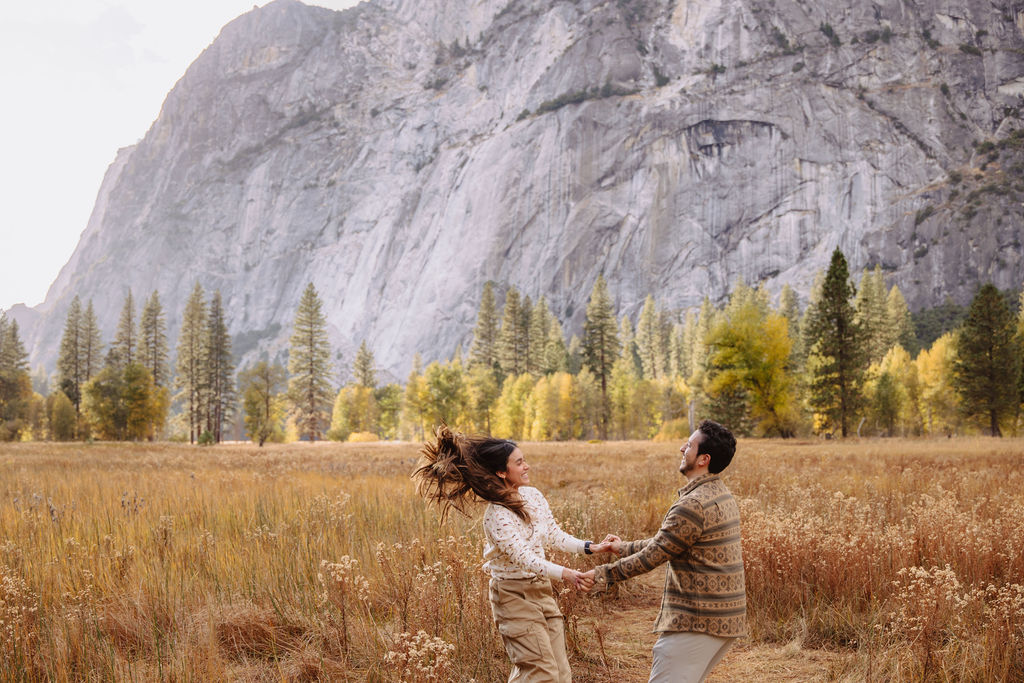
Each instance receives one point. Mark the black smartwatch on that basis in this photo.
(586, 548)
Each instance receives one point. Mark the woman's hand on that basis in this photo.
(610, 544)
(578, 580)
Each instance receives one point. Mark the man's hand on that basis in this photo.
(578, 580)
(610, 544)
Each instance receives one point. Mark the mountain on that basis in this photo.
(401, 153)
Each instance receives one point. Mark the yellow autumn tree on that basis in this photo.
(749, 355)
(510, 410)
(938, 402)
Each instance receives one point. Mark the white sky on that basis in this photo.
(80, 79)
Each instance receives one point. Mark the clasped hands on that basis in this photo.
(584, 581)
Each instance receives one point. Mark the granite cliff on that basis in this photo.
(400, 153)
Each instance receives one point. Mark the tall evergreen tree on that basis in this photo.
(90, 344)
(191, 376)
(125, 349)
(556, 354)
(15, 382)
(601, 342)
(650, 341)
(986, 355)
(153, 340)
(364, 368)
(699, 338)
(525, 315)
(537, 335)
(485, 336)
(627, 345)
(220, 369)
(511, 351)
(836, 346)
(901, 325)
(70, 374)
(309, 364)
(789, 308)
(872, 315)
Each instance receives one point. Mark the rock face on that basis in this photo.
(401, 153)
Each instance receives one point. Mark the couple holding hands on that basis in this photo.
(703, 609)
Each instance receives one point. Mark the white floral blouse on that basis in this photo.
(514, 549)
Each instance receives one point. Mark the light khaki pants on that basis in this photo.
(685, 657)
(532, 629)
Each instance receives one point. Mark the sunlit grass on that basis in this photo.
(308, 562)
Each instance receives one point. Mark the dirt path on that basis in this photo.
(615, 646)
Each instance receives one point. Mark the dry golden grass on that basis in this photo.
(877, 560)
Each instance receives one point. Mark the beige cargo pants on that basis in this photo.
(532, 630)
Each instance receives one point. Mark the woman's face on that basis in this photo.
(517, 472)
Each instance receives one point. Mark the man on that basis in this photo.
(703, 609)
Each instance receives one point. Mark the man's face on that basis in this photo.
(689, 451)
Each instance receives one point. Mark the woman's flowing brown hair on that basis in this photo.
(455, 470)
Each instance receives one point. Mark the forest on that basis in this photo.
(853, 362)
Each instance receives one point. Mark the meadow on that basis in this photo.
(900, 559)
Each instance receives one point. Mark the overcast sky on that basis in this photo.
(80, 79)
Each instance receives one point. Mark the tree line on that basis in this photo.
(846, 364)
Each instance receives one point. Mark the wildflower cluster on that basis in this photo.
(420, 658)
(928, 603)
(339, 580)
(327, 512)
(17, 609)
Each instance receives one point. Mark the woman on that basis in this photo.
(454, 471)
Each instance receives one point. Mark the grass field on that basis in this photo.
(875, 560)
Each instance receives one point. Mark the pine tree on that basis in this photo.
(191, 376)
(986, 355)
(525, 315)
(485, 336)
(627, 342)
(309, 364)
(677, 350)
(650, 341)
(698, 340)
(872, 315)
(537, 334)
(364, 368)
(511, 354)
(836, 346)
(15, 382)
(901, 325)
(220, 371)
(789, 308)
(153, 340)
(601, 342)
(125, 349)
(70, 374)
(90, 344)
(556, 354)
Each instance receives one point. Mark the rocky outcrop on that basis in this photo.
(401, 153)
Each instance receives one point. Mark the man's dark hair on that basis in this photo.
(719, 443)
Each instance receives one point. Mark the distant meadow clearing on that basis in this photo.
(318, 562)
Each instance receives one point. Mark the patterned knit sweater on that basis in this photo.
(700, 539)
